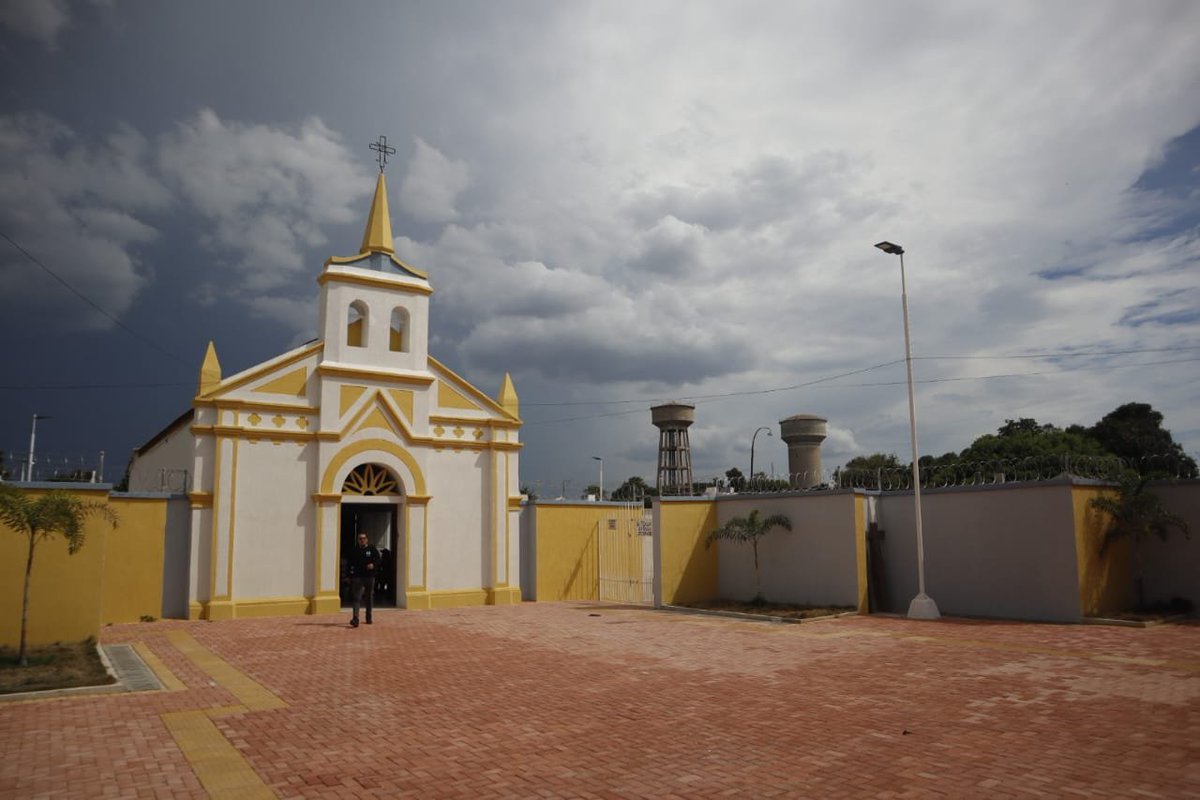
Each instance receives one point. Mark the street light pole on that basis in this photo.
(760, 428)
(601, 460)
(32, 438)
(922, 606)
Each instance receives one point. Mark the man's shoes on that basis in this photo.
(354, 622)
(368, 620)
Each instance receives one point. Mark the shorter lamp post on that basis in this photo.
(922, 606)
(32, 439)
(757, 431)
(601, 460)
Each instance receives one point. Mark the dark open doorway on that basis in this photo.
(378, 521)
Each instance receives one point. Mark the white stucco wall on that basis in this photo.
(167, 466)
(814, 564)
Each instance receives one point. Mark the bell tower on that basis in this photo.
(374, 307)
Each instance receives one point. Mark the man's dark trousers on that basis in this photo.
(359, 585)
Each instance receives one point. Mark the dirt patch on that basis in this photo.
(783, 610)
(56, 666)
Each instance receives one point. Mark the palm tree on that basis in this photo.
(1137, 513)
(750, 529)
(54, 512)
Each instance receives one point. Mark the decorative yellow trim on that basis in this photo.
(348, 396)
(416, 601)
(417, 499)
(325, 603)
(508, 398)
(365, 445)
(210, 371)
(327, 497)
(514, 501)
(271, 607)
(487, 422)
(197, 610)
(403, 398)
(375, 279)
(231, 432)
(293, 383)
(234, 404)
(256, 372)
(216, 526)
(201, 499)
(449, 397)
(504, 596)
(377, 236)
(233, 488)
(372, 373)
(457, 598)
(369, 480)
(465, 385)
(219, 609)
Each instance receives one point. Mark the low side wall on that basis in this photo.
(821, 562)
(998, 551)
(1172, 568)
(688, 569)
(117, 576)
(564, 543)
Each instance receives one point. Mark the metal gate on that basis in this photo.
(626, 555)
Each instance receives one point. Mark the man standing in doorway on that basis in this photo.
(364, 562)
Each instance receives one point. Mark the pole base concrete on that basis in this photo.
(923, 607)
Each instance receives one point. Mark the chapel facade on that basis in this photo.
(358, 430)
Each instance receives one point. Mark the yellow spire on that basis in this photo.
(210, 371)
(508, 397)
(377, 238)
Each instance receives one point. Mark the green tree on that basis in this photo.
(749, 529)
(593, 489)
(1025, 438)
(1137, 514)
(1134, 432)
(737, 481)
(634, 488)
(865, 471)
(55, 512)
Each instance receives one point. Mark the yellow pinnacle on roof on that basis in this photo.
(210, 371)
(508, 397)
(377, 238)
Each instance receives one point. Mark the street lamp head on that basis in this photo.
(597, 458)
(891, 249)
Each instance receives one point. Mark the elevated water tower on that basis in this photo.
(674, 451)
(803, 434)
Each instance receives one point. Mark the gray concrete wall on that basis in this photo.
(814, 564)
(1172, 568)
(996, 551)
(176, 558)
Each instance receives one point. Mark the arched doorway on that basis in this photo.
(371, 502)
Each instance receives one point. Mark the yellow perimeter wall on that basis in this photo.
(115, 577)
(1105, 584)
(567, 551)
(689, 569)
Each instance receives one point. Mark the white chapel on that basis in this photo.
(359, 430)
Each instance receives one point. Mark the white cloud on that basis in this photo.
(432, 185)
(78, 208)
(265, 191)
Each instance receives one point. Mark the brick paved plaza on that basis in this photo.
(579, 700)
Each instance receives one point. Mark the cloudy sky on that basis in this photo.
(620, 203)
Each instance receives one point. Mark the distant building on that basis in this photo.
(358, 430)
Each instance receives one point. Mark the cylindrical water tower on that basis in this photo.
(803, 434)
(674, 452)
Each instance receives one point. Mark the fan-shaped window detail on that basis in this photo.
(398, 339)
(370, 479)
(356, 325)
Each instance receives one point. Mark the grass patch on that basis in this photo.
(56, 666)
(768, 609)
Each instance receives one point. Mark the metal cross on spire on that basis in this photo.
(381, 147)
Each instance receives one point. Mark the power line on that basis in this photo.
(92, 303)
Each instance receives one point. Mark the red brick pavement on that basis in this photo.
(578, 700)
